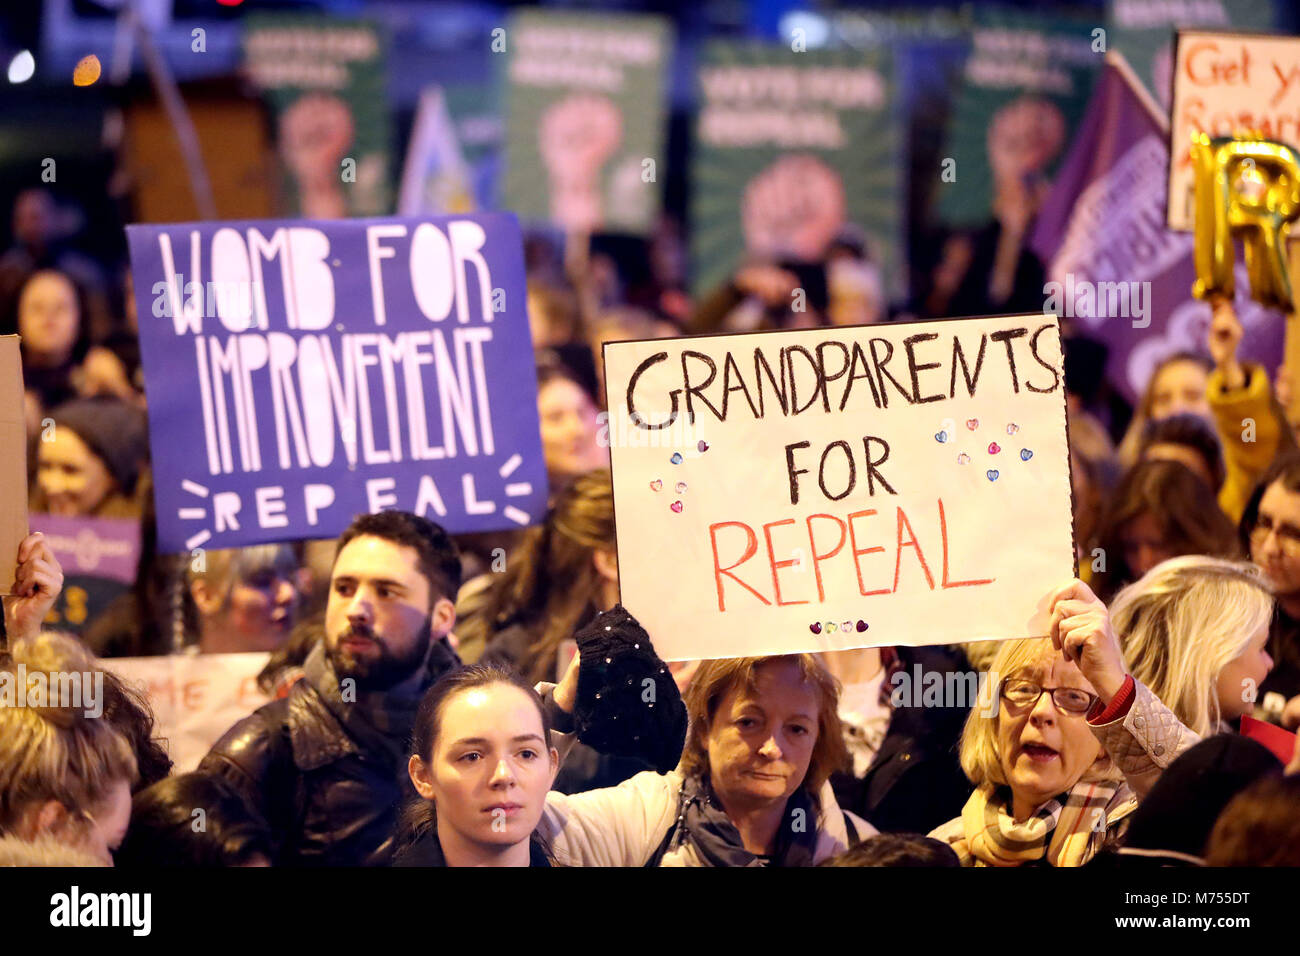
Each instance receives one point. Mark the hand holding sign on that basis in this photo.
(1081, 630)
(37, 583)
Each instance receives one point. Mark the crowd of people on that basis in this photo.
(485, 700)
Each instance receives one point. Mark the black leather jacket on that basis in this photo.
(328, 799)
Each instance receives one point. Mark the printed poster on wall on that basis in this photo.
(789, 148)
(824, 489)
(585, 119)
(300, 373)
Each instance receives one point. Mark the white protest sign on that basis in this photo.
(195, 698)
(1226, 83)
(825, 489)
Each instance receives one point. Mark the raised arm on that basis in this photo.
(1135, 728)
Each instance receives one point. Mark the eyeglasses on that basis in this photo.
(1025, 693)
(1288, 537)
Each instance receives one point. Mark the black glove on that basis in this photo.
(628, 704)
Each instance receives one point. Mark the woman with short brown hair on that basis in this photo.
(751, 788)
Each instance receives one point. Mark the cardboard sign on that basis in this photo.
(13, 468)
(195, 698)
(826, 489)
(1225, 83)
(586, 116)
(300, 373)
(99, 557)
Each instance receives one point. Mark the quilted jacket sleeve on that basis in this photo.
(614, 826)
(1144, 740)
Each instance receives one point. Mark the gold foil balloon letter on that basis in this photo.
(1247, 188)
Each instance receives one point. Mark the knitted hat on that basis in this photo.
(628, 704)
(1179, 812)
(115, 431)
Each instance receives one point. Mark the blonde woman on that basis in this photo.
(65, 773)
(1062, 746)
(1195, 631)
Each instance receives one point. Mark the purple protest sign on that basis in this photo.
(98, 547)
(99, 557)
(1113, 265)
(302, 372)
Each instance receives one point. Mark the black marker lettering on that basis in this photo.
(1033, 348)
(880, 371)
(910, 344)
(694, 392)
(1005, 337)
(873, 462)
(637, 418)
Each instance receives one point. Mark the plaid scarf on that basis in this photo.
(1063, 831)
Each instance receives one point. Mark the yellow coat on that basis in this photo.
(1245, 460)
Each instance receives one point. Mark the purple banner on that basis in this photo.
(1113, 267)
(300, 373)
(95, 547)
(98, 557)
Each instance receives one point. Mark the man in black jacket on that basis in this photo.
(326, 766)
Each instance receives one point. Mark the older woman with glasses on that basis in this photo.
(1062, 747)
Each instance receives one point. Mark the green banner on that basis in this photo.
(1025, 85)
(789, 148)
(585, 117)
(1143, 30)
(324, 80)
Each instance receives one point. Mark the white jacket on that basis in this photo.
(624, 825)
